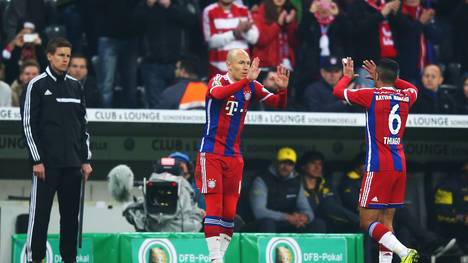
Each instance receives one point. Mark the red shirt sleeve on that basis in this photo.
(409, 89)
(218, 91)
(362, 97)
(278, 100)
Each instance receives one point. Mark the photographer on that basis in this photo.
(26, 45)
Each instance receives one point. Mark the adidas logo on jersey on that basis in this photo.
(375, 199)
(47, 93)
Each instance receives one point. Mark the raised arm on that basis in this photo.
(280, 99)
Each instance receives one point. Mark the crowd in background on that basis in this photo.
(160, 53)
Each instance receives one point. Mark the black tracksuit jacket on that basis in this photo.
(53, 114)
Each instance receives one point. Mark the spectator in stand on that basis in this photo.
(278, 200)
(431, 98)
(226, 26)
(267, 78)
(163, 22)
(26, 45)
(79, 70)
(5, 95)
(463, 95)
(451, 207)
(322, 32)
(41, 13)
(318, 96)
(461, 36)
(374, 23)
(277, 26)
(322, 196)
(416, 37)
(189, 92)
(28, 70)
(117, 50)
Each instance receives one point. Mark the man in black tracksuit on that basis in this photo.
(54, 120)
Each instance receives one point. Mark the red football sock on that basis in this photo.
(229, 212)
(377, 230)
(214, 212)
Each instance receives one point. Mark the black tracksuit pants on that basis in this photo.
(67, 183)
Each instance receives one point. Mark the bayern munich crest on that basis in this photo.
(247, 95)
(211, 183)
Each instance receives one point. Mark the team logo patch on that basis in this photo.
(283, 250)
(157, 250)
(211, 183)
(247, 95)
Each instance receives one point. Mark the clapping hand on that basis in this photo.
(254, 70)
(348, 67)
(290, 16)
(371, 68)
(426, 16)
(282, 77)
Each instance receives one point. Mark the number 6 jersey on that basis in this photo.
(387, 110)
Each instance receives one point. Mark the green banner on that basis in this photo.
(191, 247)
(85, 254)
(298, 248)
(96, 248)
(171, 248)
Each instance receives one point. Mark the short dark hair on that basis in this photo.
(29, 63)
(55, 43)
(264, 74)
(79, 55)
(311, 156)
(190, 64)
(388, 70)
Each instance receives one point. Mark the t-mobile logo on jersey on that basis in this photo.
(232, 106)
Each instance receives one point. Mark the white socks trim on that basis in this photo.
(213, 244)
(390, 241)
(224, 243)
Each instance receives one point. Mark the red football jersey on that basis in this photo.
(387, 110)
(225, 112)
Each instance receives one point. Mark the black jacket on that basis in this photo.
(450, 200)
(164, 30)
(318, 97)
(365, 29)
(114, 18)
(328, 205)
(408, 39)
(440, 102)
(309, 33)
(91, 92)
(282, 193)
(53, 115)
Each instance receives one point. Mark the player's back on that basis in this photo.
(385, 125)
(387, 110)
